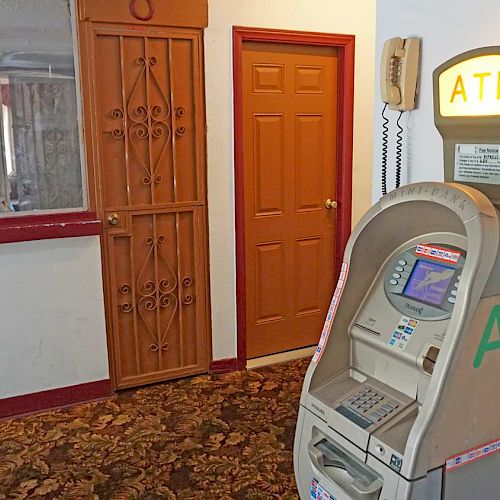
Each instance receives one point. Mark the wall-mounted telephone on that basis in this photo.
(398, 73)
(398, 86)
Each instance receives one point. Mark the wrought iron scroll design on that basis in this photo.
(145, 122)
(118, 133)
(149, 122)
(187, 298)
(155, 300)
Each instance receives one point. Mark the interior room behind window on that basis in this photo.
(40, 157)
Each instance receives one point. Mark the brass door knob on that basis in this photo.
(113, 220)
(330, 204)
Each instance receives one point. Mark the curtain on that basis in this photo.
(46, 143)
(4, 202)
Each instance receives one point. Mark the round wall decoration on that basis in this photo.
(133, 10)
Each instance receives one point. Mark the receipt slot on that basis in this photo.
(394, 400)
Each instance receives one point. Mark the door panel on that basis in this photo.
(155, 136)
(154, 275)
(150, 145)
(290, 162)
(270, 266)
(269, 164)
(307, 285)
(309, 150)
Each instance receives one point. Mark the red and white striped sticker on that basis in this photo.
(444, 254)
(472, 455)
(331, 312)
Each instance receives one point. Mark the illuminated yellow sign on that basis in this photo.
(471, 88)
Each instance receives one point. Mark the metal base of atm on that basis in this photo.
(341, 471)
(399, 401)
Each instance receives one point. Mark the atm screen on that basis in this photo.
(429, 282)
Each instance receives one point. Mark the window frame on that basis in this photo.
(67, 222)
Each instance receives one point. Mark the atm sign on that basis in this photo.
(438, 253)
(471, 88)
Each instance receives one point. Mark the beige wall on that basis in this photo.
(330, 16)
(52, 315)
(446, 29)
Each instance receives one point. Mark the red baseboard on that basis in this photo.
(55, 398)
(226, 365)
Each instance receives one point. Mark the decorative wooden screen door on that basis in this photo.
(148, 129)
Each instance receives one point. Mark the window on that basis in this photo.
(40, 141)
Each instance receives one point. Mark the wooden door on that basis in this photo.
(290, 163)
(148, 124)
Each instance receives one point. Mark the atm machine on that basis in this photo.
(402, 397)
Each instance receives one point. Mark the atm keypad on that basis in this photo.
(371, 403)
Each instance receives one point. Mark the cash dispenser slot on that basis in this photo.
(356, 478)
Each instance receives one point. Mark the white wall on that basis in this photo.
(52, 330)
(331, 16)
(447, 28)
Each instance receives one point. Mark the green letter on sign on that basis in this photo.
(485, 344)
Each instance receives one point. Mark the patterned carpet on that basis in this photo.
(221, 437)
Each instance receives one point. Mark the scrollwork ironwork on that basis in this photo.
(149, 122)
(126, 307)
(118, 133)
(180, 111)
(156, 347)
(155, 299)
(187, 299)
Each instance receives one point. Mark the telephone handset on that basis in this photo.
(398, 73)
(398, 85)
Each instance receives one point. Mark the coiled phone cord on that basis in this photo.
(385, 138)
(399, 149)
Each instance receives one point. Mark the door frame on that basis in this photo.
(345, 46)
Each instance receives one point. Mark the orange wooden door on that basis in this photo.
(149, 142)
(290, 138)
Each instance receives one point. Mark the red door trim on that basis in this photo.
(345, 45)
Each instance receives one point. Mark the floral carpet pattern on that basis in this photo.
(209, 437)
